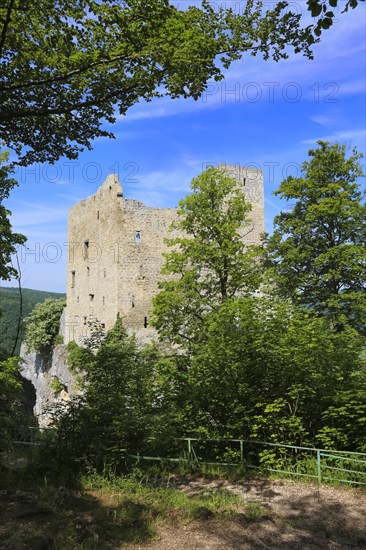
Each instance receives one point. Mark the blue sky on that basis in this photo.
(264, 114)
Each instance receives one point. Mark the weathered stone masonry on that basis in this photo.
(116, 248)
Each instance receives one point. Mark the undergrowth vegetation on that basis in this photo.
(102, 511)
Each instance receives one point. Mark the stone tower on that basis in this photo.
(116, 248)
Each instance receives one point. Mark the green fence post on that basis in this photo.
(318, 466)
(241, 453)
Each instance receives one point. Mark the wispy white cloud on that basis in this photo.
(165, 107)
(323, 120)
(353, 87)
(164, 187)
(35, 214)
(341, 135)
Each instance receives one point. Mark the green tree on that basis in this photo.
(8, 240)
(43, 324)
(66, 65)
(10, 390)
(317, 251)
(266, 369)
(12, 303)
(113, 416)
(344, 421)
(209, 265)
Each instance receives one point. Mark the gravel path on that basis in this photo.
(300, 516)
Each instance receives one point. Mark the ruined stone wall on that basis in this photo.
(140, 262)
(116, 248)
(92, 271)
(251, 181)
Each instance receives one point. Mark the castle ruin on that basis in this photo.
(116, 248)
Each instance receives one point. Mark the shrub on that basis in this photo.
(43, 324)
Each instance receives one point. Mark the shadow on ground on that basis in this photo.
(293, 516)
(298, 516)
(61, 518)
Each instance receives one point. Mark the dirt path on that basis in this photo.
(297, 516)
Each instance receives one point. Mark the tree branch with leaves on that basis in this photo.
(67, 66)
(9, 241)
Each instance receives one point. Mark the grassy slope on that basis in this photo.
(187, 512)
(9, 312)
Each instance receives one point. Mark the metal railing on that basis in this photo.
(307, 462)
(320, 465)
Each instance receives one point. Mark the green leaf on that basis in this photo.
(316, 10)
(326, 23)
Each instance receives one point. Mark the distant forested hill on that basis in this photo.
(9, 312)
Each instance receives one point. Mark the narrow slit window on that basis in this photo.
(138, 236)
(88, 271)
(244, 181)
(97, 214)
(145, 322)
(73, 279)
(86, 250)
(103, 300)
(133, 301)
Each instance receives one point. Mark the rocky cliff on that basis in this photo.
(51, 377)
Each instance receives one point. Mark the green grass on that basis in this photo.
(103, 512)
(164, 499)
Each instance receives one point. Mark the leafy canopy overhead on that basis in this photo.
(8, 239)
(66, 65)
(326, 10)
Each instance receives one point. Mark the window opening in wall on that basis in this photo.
(97, 214)
(88, 271)
(244, 180)
(84, 320)
(72, 279)
(145, 322)
(133, 301)
(86, 250)
(138, 236)
(91, 297)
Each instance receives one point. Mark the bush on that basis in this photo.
(42, 325)
(56, 385)
(10, 390)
